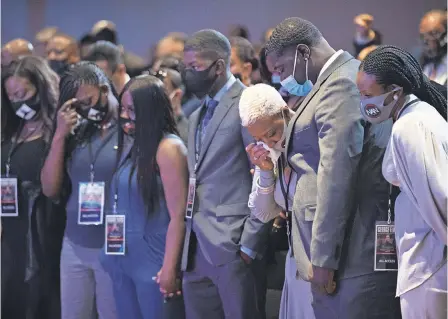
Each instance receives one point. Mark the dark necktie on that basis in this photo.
(211, 107)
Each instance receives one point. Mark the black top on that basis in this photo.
(26, 163)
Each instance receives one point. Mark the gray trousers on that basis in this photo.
(369, 296)
(226, 291)
(86, 289)
(428, 300)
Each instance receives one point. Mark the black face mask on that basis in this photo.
(128, 126)
(96, 113)
(58, 66)
(27, 109)
(238, 76)
(199, 82)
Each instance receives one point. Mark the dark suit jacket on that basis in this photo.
(222, 220)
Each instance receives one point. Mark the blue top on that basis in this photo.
(145, 230)
(90, 236)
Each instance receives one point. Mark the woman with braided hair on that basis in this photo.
(77, 173)
(392, 85)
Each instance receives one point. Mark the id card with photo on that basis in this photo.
(190, 198)
(9, 202)
(385, 247)
(91, 203)
(115, 235)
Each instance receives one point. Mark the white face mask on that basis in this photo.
(25, 112)
(273, 153)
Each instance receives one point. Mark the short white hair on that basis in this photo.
(259, 101)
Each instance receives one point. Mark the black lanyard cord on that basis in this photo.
(117, 176)
(93, 158)
(285, 191)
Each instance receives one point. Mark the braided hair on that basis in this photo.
(392, 65)
(85, 73)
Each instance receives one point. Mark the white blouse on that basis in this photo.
(416, 160)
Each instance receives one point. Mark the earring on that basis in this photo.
(395, 97)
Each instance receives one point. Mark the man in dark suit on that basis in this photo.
(340, 191)
(223, 241)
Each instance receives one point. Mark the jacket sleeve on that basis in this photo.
(255, 234)
(261, 201)
(340, 138)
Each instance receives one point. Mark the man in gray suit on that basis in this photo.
(223, 242)
(340, 191)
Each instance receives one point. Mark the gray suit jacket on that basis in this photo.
(340, 191)
(221, 218)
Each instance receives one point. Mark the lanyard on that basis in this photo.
(15, 145)
(117, 178)
(406, 106)
(97, 153)
(198, 137)
(285, 192)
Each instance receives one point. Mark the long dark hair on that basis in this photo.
(37, 71)
(154, 118)
(85, 73)
(392, 65)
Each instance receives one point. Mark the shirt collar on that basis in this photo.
(330, 61)
(223, 90)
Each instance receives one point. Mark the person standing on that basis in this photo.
(172, 81)
(391, 80)
(33, 229)
(62, 51)
(433, 33)
(341, 192)
(365, 35)
(109, 58)
(243, 60)
(149, 197)
(14, 50)
(222, 242)
(266, 116)
(77, 173)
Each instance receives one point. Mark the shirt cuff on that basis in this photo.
(266, 180)
(249, 252)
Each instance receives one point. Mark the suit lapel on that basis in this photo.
(221, 111)
(340, 60)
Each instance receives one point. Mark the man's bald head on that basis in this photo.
(434, 20)
(15, 49)
(433, 34)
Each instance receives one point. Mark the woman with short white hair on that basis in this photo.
(266, 116)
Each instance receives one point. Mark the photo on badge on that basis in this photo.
(115, 235)
(385, 248)
(91, 203)
(9, 207)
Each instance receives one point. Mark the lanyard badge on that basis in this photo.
(115, 235)
(9, 203)
(385, 245)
